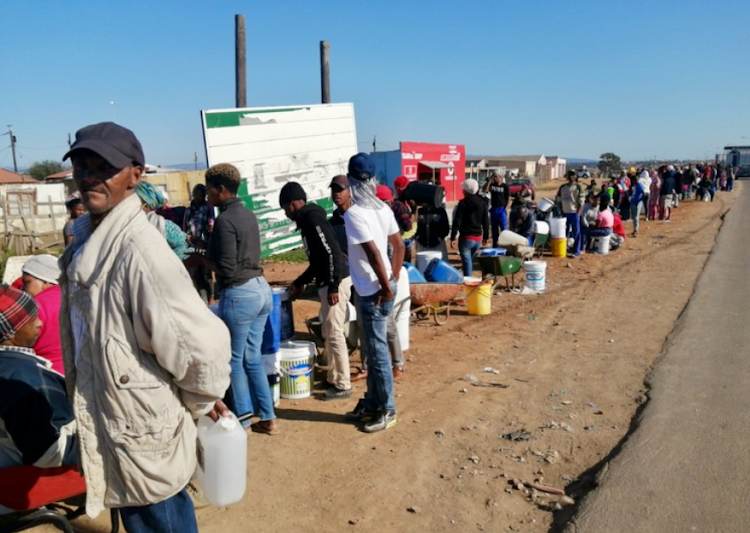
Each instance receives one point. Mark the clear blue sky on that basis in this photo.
(575, 78)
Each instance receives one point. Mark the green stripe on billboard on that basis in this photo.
(228, 119)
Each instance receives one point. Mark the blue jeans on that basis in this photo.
(173, 515)
(245, 310)
(499, 222)
(574, 231)
(374, 336)
(468, 249)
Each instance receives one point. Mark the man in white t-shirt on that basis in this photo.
(370, 227)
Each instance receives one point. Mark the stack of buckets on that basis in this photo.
(288, 365)
(559, 241)
(478, 295)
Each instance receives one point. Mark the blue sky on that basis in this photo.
(575, 78)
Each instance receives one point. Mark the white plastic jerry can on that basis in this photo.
(222, 459)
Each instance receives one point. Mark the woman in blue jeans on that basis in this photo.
(245, 297)
(472, 222)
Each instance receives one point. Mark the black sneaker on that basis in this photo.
(335, 393)
(361, 413)
(383, 420)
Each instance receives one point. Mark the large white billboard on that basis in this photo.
(274, 145)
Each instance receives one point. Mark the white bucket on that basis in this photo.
(287, 315)
(541, 227)
(297, 364)
(557, 227)
(601, 245)
(402, 308)
(424, 258)
(535, 275)
(545, 204)
(272, 366)
(511, 238)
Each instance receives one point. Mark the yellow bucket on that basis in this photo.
(559, 247)
(479, 301)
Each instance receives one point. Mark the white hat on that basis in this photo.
(43, 267)
(471, 186)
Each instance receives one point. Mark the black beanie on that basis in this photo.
(290, 192)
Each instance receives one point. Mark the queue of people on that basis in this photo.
(111, 350)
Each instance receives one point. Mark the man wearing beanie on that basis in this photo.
(472, 222)
(144, 357)
(40, 275)
(370, 227)
(36, 419)
(326, 268)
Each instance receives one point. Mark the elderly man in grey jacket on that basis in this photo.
(143, 355)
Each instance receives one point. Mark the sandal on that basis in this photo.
(267, 427)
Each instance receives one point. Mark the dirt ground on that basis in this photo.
(575, 361)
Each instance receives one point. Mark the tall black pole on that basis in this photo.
(240, 63)
(325, 84)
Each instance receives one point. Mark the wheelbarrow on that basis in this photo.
(435, 299)
(501, 266)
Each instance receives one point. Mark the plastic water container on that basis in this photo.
(297, 364)
(442, 272)
(287, 314)
(402, 309)
(492, 252)
(478, 296)
(535, 275)
(413, 273)
(511, 238)
(425, 258)
(222, 459)
(557, 228)
(272, 332)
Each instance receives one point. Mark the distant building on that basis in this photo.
(178, 184)
(538, 167)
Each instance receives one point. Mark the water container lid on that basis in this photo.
(228, 423)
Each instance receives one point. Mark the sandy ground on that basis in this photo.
(575, 361)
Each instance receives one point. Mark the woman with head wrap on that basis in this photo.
(152, 200)
(472, 222)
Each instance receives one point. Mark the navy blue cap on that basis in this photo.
(361, 167)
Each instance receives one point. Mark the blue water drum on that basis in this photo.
(272, 333)
(287, 314)
(443, 272)
(415, 276)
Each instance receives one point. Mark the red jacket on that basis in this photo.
(619, 227)
(48, 344)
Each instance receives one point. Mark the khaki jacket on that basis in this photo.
(152, 358)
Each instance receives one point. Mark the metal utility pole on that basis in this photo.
(195, 160)
(374, 143)
(13, 147)
(240, 63)
(325, 82)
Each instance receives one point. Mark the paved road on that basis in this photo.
(686, 468)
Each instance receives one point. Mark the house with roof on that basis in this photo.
(536, 166)
(178, 184)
